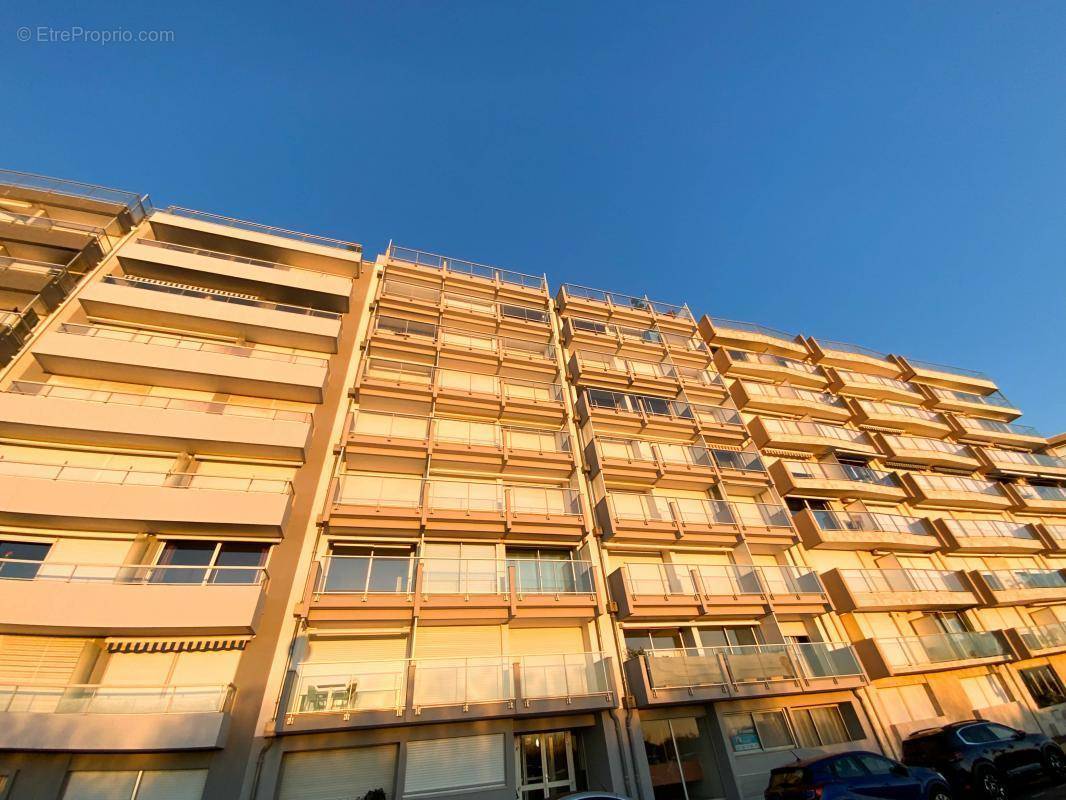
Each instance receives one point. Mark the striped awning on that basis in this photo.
(176, 644)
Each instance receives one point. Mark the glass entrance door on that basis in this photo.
(545, 765)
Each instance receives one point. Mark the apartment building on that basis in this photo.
(279, 521)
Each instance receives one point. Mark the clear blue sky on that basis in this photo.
(890, 173)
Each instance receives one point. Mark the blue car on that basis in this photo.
(855, 776)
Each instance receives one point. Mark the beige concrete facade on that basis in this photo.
(280, 521)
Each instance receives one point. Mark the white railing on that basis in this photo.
(923, 444)
(955, 484)
(872, 521)
(138, 574)
(464, 496)
(989, 528)
(468, 268)
(999, 580)
(939, 648)
(792, 393)
(771, 360)
(812, 470)
(116, 699)
(875, 408)
(880, 581)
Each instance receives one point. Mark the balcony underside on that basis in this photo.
(113, 733)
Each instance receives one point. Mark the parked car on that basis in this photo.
(593, 796)
(984, 757)
(854, 776)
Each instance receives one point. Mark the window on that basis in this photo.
(729, 637)
(679, 760)
(184, 784)
(977, 734)
(908, 703)
(223, 562)
(21, 560)
(876, 765)
(985, 691)
(1044, 685)
(847, 767)
(758, 730)
(639, 641)
(821, 725)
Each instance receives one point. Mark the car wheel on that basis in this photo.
(1055, 764)
(939, 793)
(992, 786)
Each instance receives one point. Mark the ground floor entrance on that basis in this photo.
(544, 764)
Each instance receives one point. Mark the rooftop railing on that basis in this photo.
(807, 470)
(138, 204)
(882, 581)
(474, 270)
(227, 408)
(872, 521)
(854, 349)
(269, 230)
(220, 297)
(999, 580)
(751, 327)
(188, 343)
(940, 648)
(137, 477)
(131, 574)
(773, 360)
(736, 666)
(118, 699)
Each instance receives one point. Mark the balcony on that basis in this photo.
(701, 383)
(648, 518)
(951, 491)
(769, 367)
(633, 462)
(927, 452)
(403, 443)
(908, 419)
(98, 719)
(370, 694)
(817, 438)
(181, 362)
(574, 299)
(354, 589)
(751, 396)
(154, 304)
(615, 372)
(56, 413)
(898, 590)
(828, 353)
(749, 336)
(226, 272)
(1041, 499)
(644, 344)
(457, 272)
(993, 405)
(632, 414)
(817, 479)
(864, 530)
(1038, 640)
(1054, 535)
(987, 536)
(991, 431)
(1013, 462)
(966, 380)
(132, 599)
(872, 387)
(688, 349)
(720, 424)
(1019, 586)
(911, 655)
(402, 506)
(95, 498)
(706, 674)
(463, 393)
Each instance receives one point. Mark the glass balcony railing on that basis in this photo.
(1052, 494)
(934, 367)
(888, 581)
(1000, 580)
(926, 445)
(60, 187)
(119, 699)
(1044, 637)
(724, 580)
(227, 408)
(269, 230)
(463, 340)
(989, 528)
(626, 301)
(368, 575)
(699, 377)
(853, 349)
(724, 416)
(980, 424)
(816, 430)
(134, 574)
(696, 511)
(1038, 460)
(409, 373)
(443, 495)
(877, 409)
(995, 399)
(941, 648)
(738, 460)
(771, 360)
(637, 404)
(818, 471)
(792, 393)
(623, 332)
(204, 294)
(467, 268)
(953, 484)
(872, 521)
(189, 343)
(468, 433)
(461, 302)
(876, 380)
(136, 477)
(737, 666)
(643, 369)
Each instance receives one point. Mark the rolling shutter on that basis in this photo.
(458, 641)
(338, 774)
(40, 659)
(358, 648)
(545, 641)
(172, 784)
(466, 763)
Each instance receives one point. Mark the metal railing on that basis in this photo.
(737, 666)
(877, 380)
(137, 477)
(228, 407)
(646, 335)
(881, 581)
(60, 186)
(939, 648)
(470, 433)
(956, 484)
(899, 410)
(649, 508)
(720, 580)
(269, 230)
(1043, 637)
(773, 360)
(817, 430)
(1027, 459)
(117, 699)
(751, 327)
(367, 575)
(999, 580)
(140, 574)
(463, 339)
(464, 496)
(934, 367)
(188, 343)
(793, 393)
(206, 294)
(468, 268)
(413, 373)
(29, 265)
(995, 426)
(808, 470)
(996, 399)
(928, 445)
(989, 528)
(854, 349)
(872, 521)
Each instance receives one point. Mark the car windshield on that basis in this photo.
(785, 778)
(924, 749)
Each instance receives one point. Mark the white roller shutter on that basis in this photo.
(358, 648)
(112, 785)
(466, 763)
(712, 559)
(172, 784)
(338, 774)
(458, 641)
(40, 659)
(545, 641)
